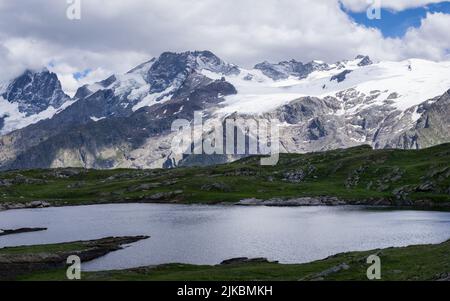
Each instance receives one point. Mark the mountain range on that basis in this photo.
(125, 120)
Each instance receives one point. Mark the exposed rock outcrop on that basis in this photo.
(245, 260)
(4, 232)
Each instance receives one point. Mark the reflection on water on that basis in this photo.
(210, 234)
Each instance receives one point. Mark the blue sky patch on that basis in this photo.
(81, 74)
(395, 24)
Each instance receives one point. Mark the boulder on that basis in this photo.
(38, 204)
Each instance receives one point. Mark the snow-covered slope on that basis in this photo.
(14, 119)
(414, 81)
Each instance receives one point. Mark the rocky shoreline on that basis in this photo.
(295, 202)
(274, 202)
(13, 264)
(334, 201)
(28, 205)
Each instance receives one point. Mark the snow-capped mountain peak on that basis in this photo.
(32, 96)
(157, 80)
(35, 91)
(171, 69)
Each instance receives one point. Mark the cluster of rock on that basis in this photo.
(297, 176)
(27, 205)
(354, 178)
(294, 202)
(434, 182)
(333, 270)
(162, 196)
(334, 201)
(20, 179)
(443, 277)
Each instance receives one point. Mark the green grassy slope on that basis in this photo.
(398, 176)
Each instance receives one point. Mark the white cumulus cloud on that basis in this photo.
(115, 35)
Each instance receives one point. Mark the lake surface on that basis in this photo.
(210, 234)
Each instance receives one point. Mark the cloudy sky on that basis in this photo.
(113, 36)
